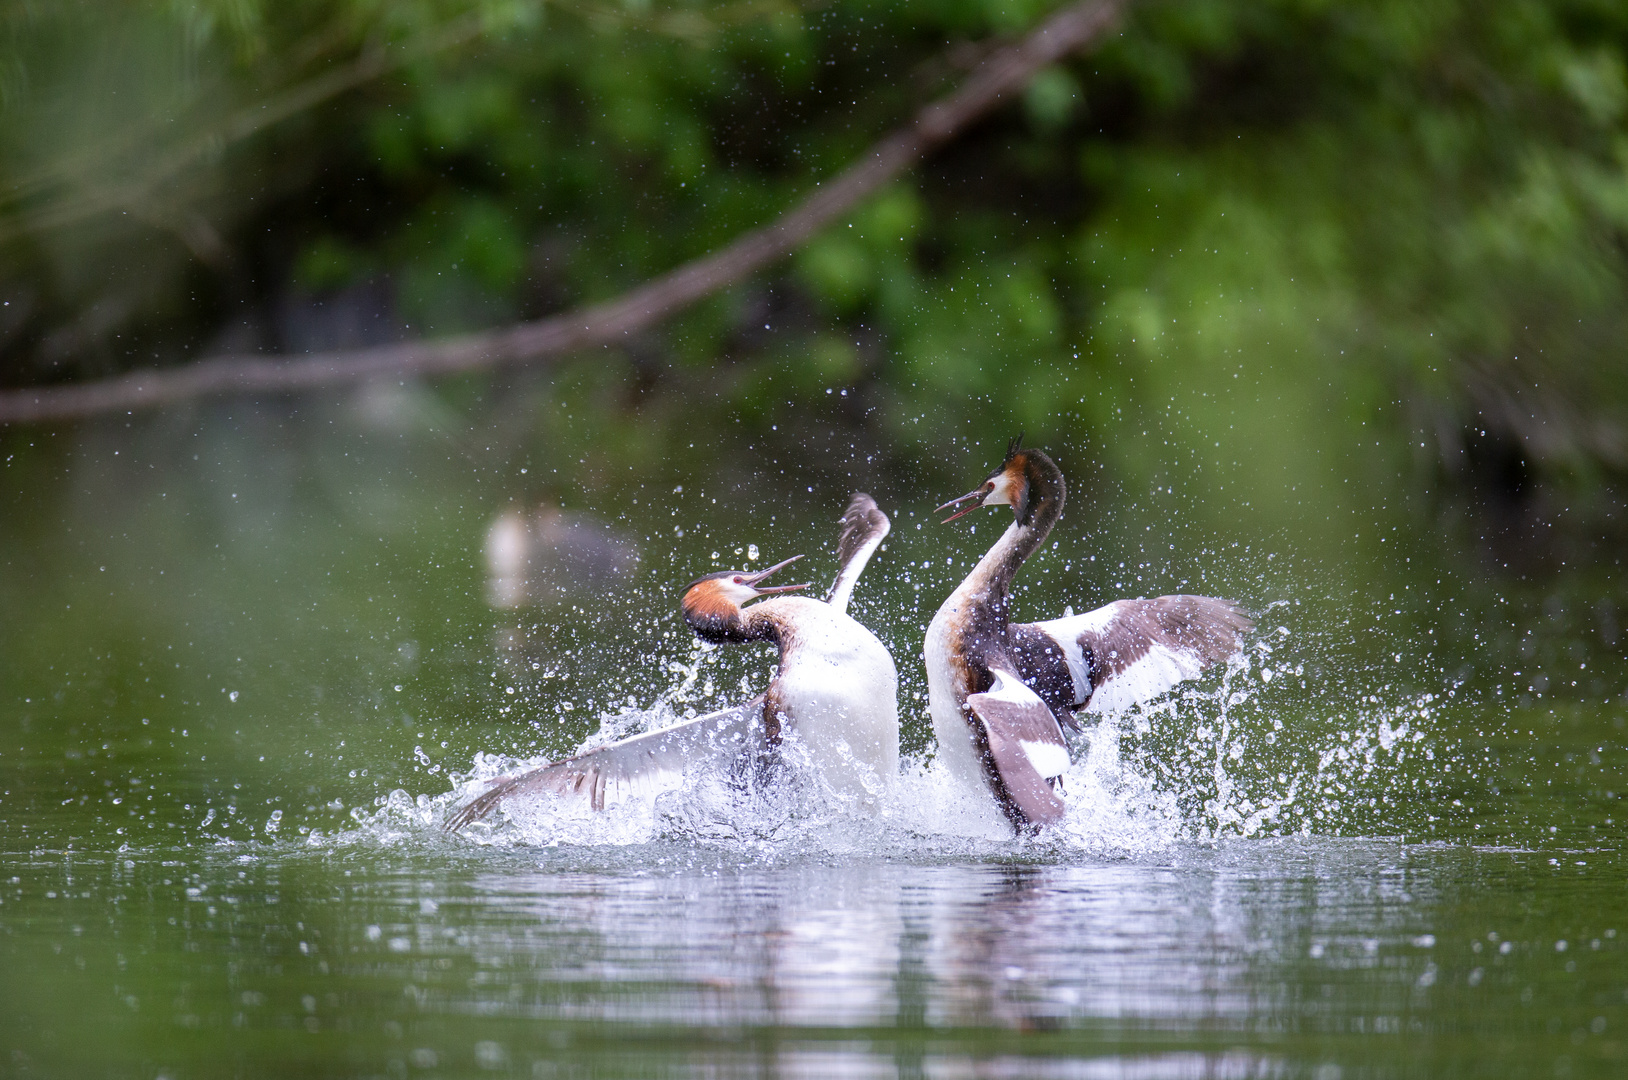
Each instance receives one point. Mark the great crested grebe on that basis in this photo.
(998, 692)
(835, 687)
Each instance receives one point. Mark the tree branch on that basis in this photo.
(1005, 72)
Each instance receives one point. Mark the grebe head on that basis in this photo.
(713, 602)
(1011, 484)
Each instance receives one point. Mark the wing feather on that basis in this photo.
(864, 527)
(611, 774)
(1127, 652)
(1026, 749)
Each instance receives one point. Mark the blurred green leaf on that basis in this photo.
(1052, 97)
(1402, 217)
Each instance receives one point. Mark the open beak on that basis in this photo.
(977, 494)
(753, 579)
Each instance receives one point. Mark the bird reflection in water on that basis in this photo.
(985, 957)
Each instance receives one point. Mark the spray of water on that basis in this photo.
(1251, 750)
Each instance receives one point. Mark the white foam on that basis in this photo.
(1220, 758)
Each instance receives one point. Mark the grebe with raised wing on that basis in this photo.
(999, 692)
(835, 687)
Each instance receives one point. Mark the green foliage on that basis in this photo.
(1328, 217)
(1052, 97)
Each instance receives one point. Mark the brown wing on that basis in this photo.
(1026, 750)
(1128, 651)
(643, 763)
(864, 526)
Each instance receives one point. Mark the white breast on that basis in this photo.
(956, 750)
(839, 688)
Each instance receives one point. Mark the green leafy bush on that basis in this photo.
(1334, 219)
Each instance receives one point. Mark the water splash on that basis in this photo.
(1250, 750)
(1258, 749)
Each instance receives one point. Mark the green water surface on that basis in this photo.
(229, 636)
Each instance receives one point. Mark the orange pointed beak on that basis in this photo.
(977, 494)
(753, 579)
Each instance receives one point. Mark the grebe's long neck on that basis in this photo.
(722, 621)
(987, 590)
(763, 624)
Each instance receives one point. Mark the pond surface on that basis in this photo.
(245, 665)
(1292, 957)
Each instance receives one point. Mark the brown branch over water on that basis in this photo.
(1004, 73)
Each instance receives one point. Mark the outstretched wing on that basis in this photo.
(1126, 652)
(626, 769)
(863, 528)
(1026, 750)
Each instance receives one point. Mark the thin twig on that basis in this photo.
(1004, 73)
